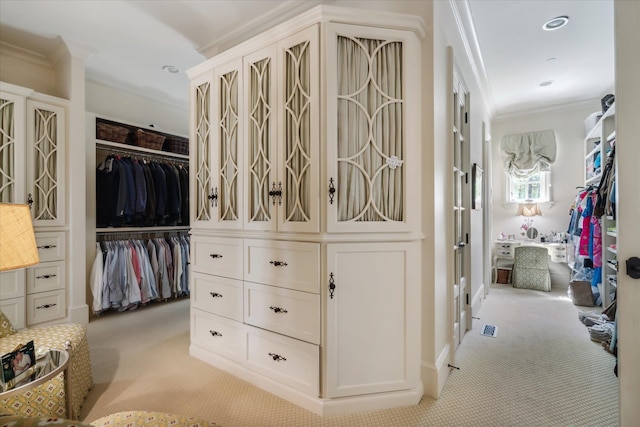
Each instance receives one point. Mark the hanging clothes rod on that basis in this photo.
(141, 155)
(139, 234)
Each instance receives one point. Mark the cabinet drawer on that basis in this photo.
(46, 306)
(558, 258)
(217, 295)
(505, 253)
(51, 246)
(557, 250)
(14, 310)
(293, 265)
(47, 276)
(287, 360)
(292, 313)
(215, 255)
(218, 334)
(12, 284)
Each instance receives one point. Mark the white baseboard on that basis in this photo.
(434, 376)
(79, 314)
(476, 301)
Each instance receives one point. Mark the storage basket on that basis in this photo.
(113, 133)
(504, 275)
(176, 145)
(148, 139)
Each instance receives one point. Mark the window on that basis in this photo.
(533, 188)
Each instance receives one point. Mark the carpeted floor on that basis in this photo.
(541, 370)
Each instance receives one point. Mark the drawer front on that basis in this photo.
(292, 313)
(217, 295)
(46, 306)
(505, 246)
(14, 310)
(557, 250)
(51, 246)
(218, 334)
(12, 284)
(287, 360)
(292, 265)
(47, 276)
(505, 253)
(215, 255)
(558, 258)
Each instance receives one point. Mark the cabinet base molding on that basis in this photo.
(435, 375)
(319, 406)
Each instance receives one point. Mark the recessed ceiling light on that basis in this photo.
(171, 69)
(547, 83)
(555, 23)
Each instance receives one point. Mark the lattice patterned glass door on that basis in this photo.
(299, 132)
(263, 193)
(370, 139)
(12, 149)
(45, 126)
(202, 129)
(226, 149)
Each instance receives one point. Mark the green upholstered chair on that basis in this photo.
(531, 268)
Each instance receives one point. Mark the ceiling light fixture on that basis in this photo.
(555, 23)
(547, 83)
(171, 69)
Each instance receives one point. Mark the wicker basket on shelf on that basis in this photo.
(176, 145)
(113, 133)
(148, 139)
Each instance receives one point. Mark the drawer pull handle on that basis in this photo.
(278, 309)
(277, 357)
(46, 306)
(215, 333)
(47, 247)
(214, 256)
(46, 276)
(215, 295)
(278, 263)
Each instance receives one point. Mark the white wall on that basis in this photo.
(566, 173)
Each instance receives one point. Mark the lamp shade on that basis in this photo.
(17, 242)
(528, 209)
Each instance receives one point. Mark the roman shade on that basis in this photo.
(527, 153)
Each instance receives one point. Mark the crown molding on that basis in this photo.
(466, 28)
(547, 109)
(137, 92)
(24, 55)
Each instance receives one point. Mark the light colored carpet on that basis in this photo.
(541, 370)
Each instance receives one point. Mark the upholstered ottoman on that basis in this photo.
(149, 419)
(49, 399)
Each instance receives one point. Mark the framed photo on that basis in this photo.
(476, 187)
(16, 364)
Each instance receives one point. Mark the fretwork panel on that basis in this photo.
(228, 137)
(259, 139)
(370, 130)
(297, 161)
(7, 151)
(203, 168)
(45, 173)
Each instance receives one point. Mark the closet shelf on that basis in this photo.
(140, 229)
(593, 179)
(135, 150)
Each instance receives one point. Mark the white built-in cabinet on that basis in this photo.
(32, 170)
(305, 249)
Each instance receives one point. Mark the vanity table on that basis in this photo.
(504, 251)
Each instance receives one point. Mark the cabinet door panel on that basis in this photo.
(12, 149)
(226, 150)
(298, 130)
(372, 318)
(373, 151)
(200, 148)
(260, 151)
(45, 162)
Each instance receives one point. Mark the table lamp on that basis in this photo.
(17, 242)
(528, 211)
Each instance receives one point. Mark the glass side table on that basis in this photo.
(48, 365)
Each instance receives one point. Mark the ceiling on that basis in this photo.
(132, 40)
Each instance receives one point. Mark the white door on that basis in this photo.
(461, 196)
(372, 305)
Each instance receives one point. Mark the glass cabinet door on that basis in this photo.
(202, 190)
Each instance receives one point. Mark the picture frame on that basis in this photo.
(476, 187)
